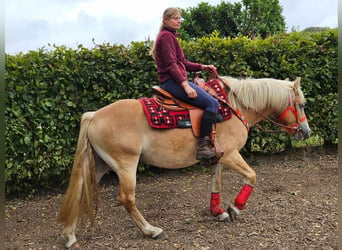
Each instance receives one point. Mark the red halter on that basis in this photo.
(294, 128)
(295, 113)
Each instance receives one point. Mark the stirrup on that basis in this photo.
(205, 158)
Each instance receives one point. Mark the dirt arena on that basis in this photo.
(293, 206)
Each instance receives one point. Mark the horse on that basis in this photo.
(116, 137)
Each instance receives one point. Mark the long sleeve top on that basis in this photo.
(170, 59)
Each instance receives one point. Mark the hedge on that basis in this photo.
(48, 90)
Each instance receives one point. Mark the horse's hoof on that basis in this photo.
(75, 245)
(222, 217)
(233, 212)
(162, 235)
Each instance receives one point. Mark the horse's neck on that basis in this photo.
(254, 117)
(250, 114)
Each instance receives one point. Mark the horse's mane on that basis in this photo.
(259, 94)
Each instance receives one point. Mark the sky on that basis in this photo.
(33, 24)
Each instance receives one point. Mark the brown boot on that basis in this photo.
(204, 149)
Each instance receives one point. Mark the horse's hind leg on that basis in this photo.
(127, 184)
(69, 232)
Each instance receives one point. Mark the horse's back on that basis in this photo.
(123, 108)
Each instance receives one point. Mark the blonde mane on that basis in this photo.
(259, 94)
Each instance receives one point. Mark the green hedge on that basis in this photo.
(311, 56)
(48, 90)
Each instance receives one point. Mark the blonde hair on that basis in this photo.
(258, 94)
(167, 14)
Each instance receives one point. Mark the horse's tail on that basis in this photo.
(82, 194)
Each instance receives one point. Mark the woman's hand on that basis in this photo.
(189, 90)
(208, 67)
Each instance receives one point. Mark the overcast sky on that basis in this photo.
(32, 24)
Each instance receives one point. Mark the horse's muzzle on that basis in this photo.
(304, 132)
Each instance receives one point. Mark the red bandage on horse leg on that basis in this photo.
(242, 197)
(215, 206)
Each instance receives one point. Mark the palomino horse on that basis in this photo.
(117, 136)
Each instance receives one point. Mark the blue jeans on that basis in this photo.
(203, 99)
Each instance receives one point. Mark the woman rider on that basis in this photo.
(172, 68)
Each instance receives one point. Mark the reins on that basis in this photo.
(214, 75)
(275, 123)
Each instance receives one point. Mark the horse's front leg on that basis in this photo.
(215, 200)
(235, 162)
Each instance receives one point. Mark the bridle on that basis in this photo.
(295, 128)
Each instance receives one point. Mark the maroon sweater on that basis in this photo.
(170, 58)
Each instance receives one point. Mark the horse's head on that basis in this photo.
(294, 117)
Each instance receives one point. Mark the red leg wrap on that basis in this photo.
(241, 199)
(215, 206)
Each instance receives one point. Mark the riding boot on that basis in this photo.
(204, 148)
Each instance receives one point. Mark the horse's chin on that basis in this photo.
(298, 136)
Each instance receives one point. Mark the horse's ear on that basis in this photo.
(287, 79)
(297, 82)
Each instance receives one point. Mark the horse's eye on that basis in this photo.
(301, 105)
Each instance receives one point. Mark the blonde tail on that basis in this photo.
(82, 194)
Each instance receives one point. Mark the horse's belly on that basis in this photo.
(175, 148)
(169, 162)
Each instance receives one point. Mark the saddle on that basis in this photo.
(166, 100)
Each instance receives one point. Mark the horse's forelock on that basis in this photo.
(301, 95)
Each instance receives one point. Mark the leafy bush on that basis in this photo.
(311, 56)
(47, 92)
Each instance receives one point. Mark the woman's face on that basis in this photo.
(174, 22)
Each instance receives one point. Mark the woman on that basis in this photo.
(172, 73)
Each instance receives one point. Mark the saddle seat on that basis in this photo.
(161, 91)
(165, 99)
